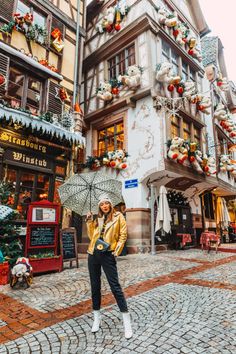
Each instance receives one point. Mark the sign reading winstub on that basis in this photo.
(131, 183)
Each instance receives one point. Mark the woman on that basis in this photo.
(110, 226)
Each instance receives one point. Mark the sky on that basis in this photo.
(221, 19)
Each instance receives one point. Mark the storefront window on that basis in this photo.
(111, 138)
(27, 187)
(58, 183)
(42, 187)
(25, 193)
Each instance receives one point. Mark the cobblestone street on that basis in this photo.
(180, 302)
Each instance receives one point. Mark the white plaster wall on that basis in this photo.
(145, 147)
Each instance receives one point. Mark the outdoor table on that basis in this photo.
(208, 239)
(185, 238)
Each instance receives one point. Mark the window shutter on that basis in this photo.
(4, 69)
(6, 9)
(54, 104)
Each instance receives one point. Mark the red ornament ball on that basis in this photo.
(180, 90)
(109, 28)
(117, 27)
(219, 83)
(113, 164)
(115, 91)
(2, 79)
(175, 33)
(190, 52)
(170, 87)
(191, 158)
(200, 107)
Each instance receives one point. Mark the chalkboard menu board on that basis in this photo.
(42, 236)
(69, 245)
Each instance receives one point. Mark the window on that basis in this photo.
(184, 71)
(168, 54)
(186, 131)
(175, 62)
(111, 138)
(118, 64)
(28, 187)
(175, 126)
(38, 18)
(197, 136)
(24, 91)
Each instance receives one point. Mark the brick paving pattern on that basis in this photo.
(181, 302)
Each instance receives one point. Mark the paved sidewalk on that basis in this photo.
(180, 302)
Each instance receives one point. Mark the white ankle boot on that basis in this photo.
(127, 325)
(96, 321)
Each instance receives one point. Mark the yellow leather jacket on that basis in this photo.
(115, 233)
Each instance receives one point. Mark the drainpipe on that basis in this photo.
(77, 54)
(152, 199)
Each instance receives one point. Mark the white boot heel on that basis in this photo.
(96, 321)
(127, 325)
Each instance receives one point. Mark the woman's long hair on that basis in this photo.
(109, 215)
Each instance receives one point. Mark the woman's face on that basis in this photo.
(105, 207)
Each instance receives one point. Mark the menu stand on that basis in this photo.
(42, 237)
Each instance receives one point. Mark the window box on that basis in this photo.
(43, 265)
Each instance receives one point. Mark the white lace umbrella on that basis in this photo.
(163, 220)
(81, 192)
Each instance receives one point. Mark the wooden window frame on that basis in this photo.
(105, 123)
(169, 58)
(192, 126)
(117, 61)
(27, 75)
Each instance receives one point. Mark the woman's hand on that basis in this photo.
(89, 216)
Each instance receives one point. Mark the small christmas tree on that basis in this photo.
(10, 244)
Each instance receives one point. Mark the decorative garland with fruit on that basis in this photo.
(181, 150)
(115, 159)
(43, 62)
(225, 119)
(25, 25)
(172, 85)
(112, 20)
(227, 165)
(181, 32)
(132, 80)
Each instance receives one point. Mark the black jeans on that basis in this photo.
(107, 262)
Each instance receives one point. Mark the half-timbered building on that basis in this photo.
(40, 69)
(144, 92)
